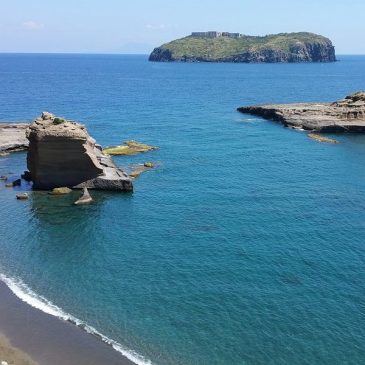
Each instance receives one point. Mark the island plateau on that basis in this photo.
(239, 48)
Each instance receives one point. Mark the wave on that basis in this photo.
(27, 295)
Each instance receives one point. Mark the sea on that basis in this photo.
(244, 246)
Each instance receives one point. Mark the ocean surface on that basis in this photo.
(246, 246)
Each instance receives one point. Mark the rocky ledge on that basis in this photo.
(61, 153)
(12, 137)
(346, 115)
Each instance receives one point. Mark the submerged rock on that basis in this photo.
(129, 148)
(60, 191)
(347, 115)
(61, 153)
(139, 169)
(85, 198)
(319, 138)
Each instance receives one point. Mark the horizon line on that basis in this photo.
(118, 54)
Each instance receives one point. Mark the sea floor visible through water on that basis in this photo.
(244, 246)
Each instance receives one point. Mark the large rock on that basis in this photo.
(347, 115)
(61, 153)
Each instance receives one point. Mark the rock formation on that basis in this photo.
(12, 137)
(61, 153)
(283, 47)
(341, 116)
(85, 198)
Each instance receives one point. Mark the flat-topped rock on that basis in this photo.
(346, 115)
(12, 137)
(61, 153)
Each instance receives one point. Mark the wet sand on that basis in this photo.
(48, 340)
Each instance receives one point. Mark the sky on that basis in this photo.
(137, 26)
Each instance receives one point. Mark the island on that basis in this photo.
(238, 48)
(346, 115)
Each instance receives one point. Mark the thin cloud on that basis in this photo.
(155, 26)
(32, 25)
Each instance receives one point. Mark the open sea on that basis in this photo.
(246, 246)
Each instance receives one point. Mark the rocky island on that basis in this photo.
(238, 48)
(346, 115)
(62, 154)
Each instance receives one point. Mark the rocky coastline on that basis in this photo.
(13, 137)
(346, 115)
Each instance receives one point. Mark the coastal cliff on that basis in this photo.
(346, 115)
(61, 153)
(237, 48)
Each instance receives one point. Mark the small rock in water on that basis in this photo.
(3, 178)
(22, 196)
(16, 182)
(60, 191)
(85, 198)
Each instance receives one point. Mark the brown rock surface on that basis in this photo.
(12, 137)
(341, 116)
(63, 154)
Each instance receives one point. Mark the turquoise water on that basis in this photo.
(245, 246)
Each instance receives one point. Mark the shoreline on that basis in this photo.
(47, 339)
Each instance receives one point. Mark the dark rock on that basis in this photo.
(26, 176)
(347, 115)
(11, 184)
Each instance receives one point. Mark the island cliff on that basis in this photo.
(346, 115)
(61, 153)
(235, 47)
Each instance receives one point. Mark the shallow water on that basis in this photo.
(246, 244)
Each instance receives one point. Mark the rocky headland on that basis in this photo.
(238, 48)
(62, 154)
(12, 137)
(346, 115)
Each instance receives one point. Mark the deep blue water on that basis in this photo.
(247, 244)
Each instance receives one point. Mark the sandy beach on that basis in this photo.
(30, 337)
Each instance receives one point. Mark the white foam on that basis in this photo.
(27, 295)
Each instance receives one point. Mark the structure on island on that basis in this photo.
(214, 34)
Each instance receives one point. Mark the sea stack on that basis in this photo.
(61, 153)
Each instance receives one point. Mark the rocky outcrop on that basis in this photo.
(283, 47)
(61, 153)
(12, 137)
(347, 115)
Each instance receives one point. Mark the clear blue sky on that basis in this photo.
(136, 26)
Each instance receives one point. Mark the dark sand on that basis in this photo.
(48, 340)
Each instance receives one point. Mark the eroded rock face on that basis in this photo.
(61, 153)
(340, 116)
